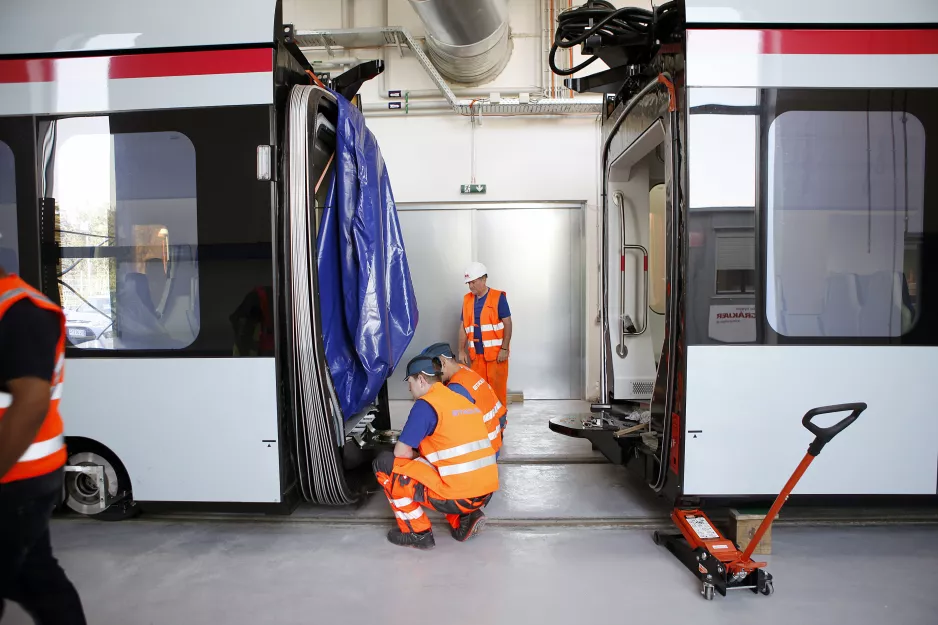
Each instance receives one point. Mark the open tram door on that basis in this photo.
(639, 311)
(334, 432)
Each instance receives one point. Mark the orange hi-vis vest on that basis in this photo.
(457, 461)
(47, 453)
(493, 330)
(493, 413)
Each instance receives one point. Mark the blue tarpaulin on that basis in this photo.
(367, 302)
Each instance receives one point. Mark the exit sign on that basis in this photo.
(472, 188)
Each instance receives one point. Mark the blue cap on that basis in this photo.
(438, 349)
(420, 364)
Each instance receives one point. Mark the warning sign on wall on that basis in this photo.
(733, 324)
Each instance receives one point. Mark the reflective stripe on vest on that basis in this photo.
(466, 467)
(491, 414)
(455, 452)
(38, 451)
(20, 291)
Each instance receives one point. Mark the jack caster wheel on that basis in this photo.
(656, 537)
(707, 592)
(768, 589)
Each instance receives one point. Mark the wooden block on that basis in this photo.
(743, 526)
(515, 397)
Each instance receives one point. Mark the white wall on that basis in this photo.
(519, 159)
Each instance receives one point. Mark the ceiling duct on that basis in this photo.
(467, 40)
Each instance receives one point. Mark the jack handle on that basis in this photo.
(824, 435)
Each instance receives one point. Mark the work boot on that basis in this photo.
(469, 525)
(417, 540)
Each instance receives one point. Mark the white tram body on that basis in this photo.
(802, 254)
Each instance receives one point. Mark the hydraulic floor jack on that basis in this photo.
(717, 561)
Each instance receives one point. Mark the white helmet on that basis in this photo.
(475, 270)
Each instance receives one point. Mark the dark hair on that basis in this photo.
(436, 377)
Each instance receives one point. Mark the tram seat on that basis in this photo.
(138, 291)
(156, 277)
(180, 315)
(881, 294)
(840, 315)
(135, 319)
(794, 324)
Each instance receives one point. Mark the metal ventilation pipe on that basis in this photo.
(467, 40)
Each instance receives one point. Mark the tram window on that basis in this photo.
(9, 245)
(127, 231)
(845, 200)
(735, 270)
(656, 249)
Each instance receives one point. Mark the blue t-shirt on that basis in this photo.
(459, 388)
(422, 419)
(503, 312)
(420, 424)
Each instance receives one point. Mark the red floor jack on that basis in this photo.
(717, 561)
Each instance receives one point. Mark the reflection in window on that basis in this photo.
(845, 214)
(9, 245)
(657, 248)
(722, 148)
(735, 262)
(127, 226)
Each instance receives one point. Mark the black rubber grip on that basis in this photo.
(824, 435)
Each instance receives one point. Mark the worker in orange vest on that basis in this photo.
(485, 331)
(443, 460)
(32, 453)
(463, 380)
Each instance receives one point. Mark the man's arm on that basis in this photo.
(506, 340)
(22, 419)
(463, 356)
(420, 424)
(403, 450)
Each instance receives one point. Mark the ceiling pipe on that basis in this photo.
(422, 105)
(448, 112)
(467, 41)
(374, 109)
(476, 92)
(336, 61)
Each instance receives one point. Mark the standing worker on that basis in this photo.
(32, 453)
(463, 380)
(485, 331)
(443, 460)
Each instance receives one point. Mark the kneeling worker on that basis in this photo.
(462, 379)
(453, 470)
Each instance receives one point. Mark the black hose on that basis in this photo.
(628, 26)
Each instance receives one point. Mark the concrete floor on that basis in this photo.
(558, 550)
(156, 572)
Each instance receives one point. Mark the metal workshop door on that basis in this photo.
(534, 253)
